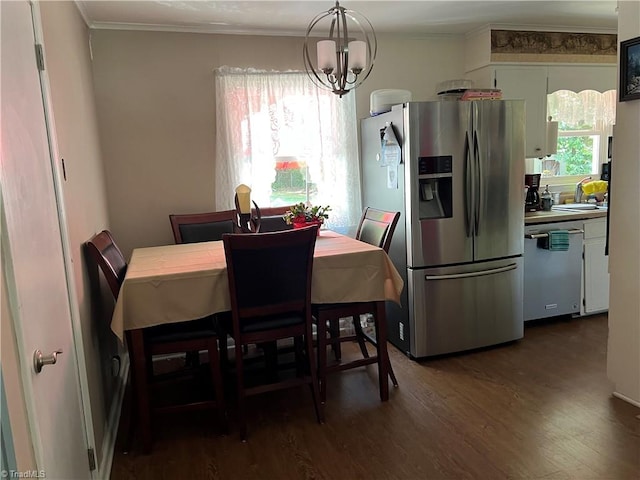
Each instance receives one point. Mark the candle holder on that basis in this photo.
(245, 222)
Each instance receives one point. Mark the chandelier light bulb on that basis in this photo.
(326, 55)
(357, 56)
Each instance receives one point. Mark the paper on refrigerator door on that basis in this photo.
(392, 176)
(390, 156)
(390, 148)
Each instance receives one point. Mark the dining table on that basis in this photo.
(185, 282)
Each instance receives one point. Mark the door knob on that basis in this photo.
(40, 360)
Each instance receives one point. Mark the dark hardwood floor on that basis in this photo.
(537, 408)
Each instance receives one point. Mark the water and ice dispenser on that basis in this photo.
(435, 187)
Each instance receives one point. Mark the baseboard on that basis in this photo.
(626, 399)
(111, 432)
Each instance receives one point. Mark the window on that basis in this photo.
(288, 140)
(585, 120)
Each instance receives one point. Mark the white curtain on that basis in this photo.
(265, 115)
(588, 109)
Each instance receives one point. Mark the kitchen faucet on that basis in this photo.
(578, 195)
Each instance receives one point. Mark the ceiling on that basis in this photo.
(391, 16)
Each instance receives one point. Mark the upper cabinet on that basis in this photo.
(521, 83)
(532, 83)
(528, 65)
(581, 77)
(529, 84)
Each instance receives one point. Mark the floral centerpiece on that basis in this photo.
(302, 215)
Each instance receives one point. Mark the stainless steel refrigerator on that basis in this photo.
(455, 171)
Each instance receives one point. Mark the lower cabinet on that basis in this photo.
(595, 271)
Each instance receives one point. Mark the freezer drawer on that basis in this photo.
(459, 308)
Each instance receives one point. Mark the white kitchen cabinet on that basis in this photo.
(595, 272)
(521, 83)
(532, 83)
(582, 77)
(529, 84)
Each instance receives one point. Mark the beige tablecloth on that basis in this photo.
(176, 283)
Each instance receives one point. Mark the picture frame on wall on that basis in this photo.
(630, 70)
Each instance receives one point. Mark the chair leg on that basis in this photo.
(128, 409)
(381, 347)
(321, 335)
(192, 359)
(334, 333)
(361, 339)
(357, 326)
(242, 420)
(224, 354)
(392, 375)
(141, 388)
(270, 350)
(315, 389)
(299, 355)
(216, 377)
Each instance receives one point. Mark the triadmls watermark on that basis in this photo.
(22, 474)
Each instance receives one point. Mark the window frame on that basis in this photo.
(602, 152)
(598, 154)
(246, 94)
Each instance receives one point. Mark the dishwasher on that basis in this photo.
(552, 278)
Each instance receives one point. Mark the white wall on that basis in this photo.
(156, 109)
(623, 352)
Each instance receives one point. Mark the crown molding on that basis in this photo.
(210, 29)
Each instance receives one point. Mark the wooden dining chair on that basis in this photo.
(202, 227)
(376, 227)
(272, 219)
(165, 339)
(270, 290)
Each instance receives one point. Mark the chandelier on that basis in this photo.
(344, 58)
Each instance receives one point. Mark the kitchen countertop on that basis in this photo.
(532, 218)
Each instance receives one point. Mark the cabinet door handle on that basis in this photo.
(545, 235)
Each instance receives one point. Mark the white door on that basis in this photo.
(33, 258)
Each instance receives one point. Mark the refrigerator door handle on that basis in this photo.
(478, 179)
(481, 273)
(468, 196)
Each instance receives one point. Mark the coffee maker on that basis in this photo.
(532, 200)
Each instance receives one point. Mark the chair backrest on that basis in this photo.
(377, 226)
(109, 258)
(272, 219)
(270, 273)
(202, 227)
